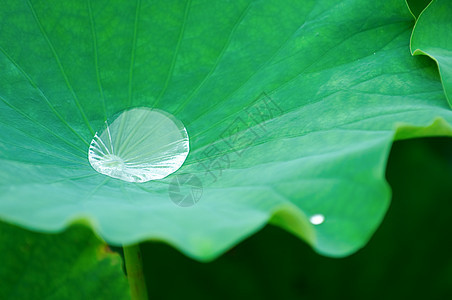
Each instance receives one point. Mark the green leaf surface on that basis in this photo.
(339, 83)
(432, 36)
(415, 236)
(70, 265)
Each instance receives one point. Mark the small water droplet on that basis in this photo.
(317, 219)
(139, 145)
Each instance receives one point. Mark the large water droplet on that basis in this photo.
(139, 145)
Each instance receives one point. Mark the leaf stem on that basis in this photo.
(134, 267)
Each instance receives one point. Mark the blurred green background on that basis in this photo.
(409, 257)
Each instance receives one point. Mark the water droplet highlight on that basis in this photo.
(317, 219)
(139, 145)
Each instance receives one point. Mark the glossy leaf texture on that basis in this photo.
(432, 37)
(291, 108)
(69, 265)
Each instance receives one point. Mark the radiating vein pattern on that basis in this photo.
(139, 145)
